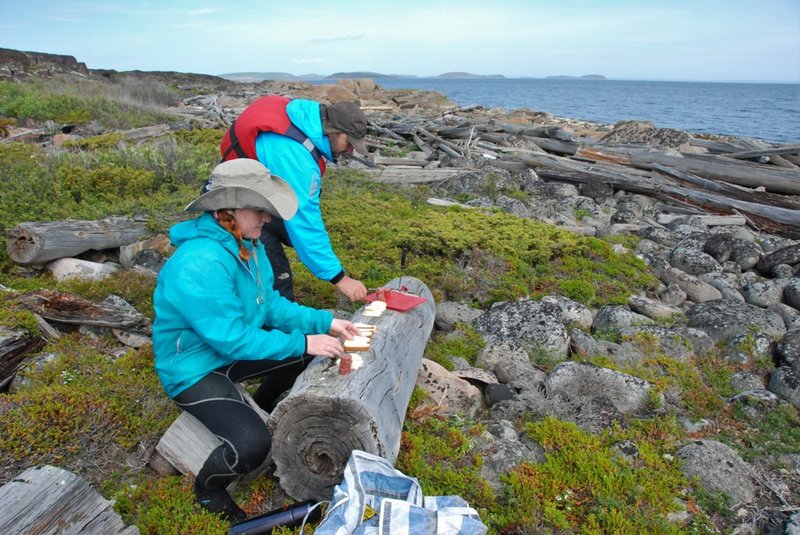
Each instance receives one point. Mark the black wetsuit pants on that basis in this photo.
(274, 237)
(216, 402)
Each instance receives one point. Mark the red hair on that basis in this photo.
(228, 222)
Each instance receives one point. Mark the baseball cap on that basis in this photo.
(346, 117)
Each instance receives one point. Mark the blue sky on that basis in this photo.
(709, 40)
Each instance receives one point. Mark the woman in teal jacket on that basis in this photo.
(219, 321)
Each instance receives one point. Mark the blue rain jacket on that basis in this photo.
(291, 161)
(211, 306)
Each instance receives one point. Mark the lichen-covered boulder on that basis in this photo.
(723, 318)
(535, 324)
(719, 469)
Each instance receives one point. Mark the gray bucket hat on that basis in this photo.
(245, 183)
(347, 117)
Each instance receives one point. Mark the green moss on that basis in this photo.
(463, 342)
(135, 288)
(156, 180)
(104, 141)
(82, 400)
(582, 487)
(13, 317)
(713, 502)
(418, 395)
(440, 454)
(577, 289)
(697, 394)
(764, 432)
(167, 506)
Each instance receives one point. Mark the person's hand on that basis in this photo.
(343, 328)
(353, 289)
(324, 346)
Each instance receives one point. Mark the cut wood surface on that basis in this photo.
(47, 500)
(187, 443)
(327, 415)
(29, 243)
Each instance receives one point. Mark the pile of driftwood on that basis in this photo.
(753, 179)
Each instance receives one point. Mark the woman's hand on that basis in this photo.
(343, 329)
(324, 346)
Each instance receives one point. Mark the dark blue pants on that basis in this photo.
(274, 237)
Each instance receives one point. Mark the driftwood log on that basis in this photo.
(36, 242)
(395, 175)
(15, 345)
(46, 500)
(73, 309)
(775, 179)
(327, 415)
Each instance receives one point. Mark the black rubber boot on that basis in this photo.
(218, 501)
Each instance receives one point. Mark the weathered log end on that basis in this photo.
(22, 246)
(314, 438)
(327, 415)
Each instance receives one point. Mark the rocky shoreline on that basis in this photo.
(728, 274)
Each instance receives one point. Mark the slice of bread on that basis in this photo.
(358, 343)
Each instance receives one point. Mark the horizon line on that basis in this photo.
(472, 76)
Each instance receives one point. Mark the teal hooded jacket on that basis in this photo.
(211, 306)
(291, 161)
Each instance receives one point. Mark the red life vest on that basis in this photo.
(265, 114)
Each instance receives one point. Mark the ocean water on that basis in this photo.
(766, 111)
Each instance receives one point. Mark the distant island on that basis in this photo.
(361, 74)
(468, 75)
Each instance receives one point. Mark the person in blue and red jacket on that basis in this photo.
(293, 138)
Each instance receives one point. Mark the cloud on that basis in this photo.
(66, 19)
(338, 39)
(204, 11)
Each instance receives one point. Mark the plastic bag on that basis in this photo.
(372, 485)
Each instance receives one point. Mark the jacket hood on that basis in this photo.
(204, 226)
(305, 115)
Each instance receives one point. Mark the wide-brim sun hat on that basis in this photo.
(246, 183)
